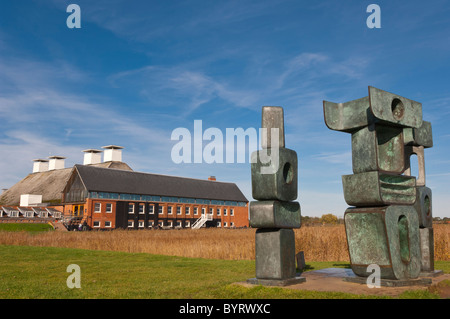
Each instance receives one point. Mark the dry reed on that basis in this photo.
(327, 243)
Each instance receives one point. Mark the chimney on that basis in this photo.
(55, 162)
(40, 165)
(92, 156)
(112, 153)
(211, 178)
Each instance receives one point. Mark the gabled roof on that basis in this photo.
(99, 179)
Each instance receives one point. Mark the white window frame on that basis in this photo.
(225, 224)
(150, 223)
(231, 211)
(170, 223)
(218, 211)
(195, 210)
(160, 223)
(211, 210)
(110, 206)
(160, 210)
(99, 207)
(225, 212)
(143, 208)
(130, 205)
(130, 224)
(108, 222)
(187, 224)
(141, 224)
(187, 210)
(179, 224)
(96, 221)
(178, 210)
(169, 210)
(151, 209)
(219, 224)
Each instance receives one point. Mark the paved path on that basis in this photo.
(331, 279)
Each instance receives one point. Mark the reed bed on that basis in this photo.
(326, 243)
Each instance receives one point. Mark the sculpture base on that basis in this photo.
(392, 282)
(433, 273)
(276, 282)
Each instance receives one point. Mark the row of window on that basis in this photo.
(178, 224)
(149, 198)
(179, 210)
(161, 209)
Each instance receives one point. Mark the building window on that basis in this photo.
(141, 209)
(141, 224)
(218, 211)
(195, 210)
(178, 223)
(107, 223)
(97, 207)
(170, 223)
(178, 210)
(211, 210)
(151, 209)
(232, 211)
(96, 223)
(187, 223)
(203, 210)
(109, 208)
(130, 208)
(225, 224)
(161, 223)
(130, 224)
(232, 224)
(160, 209)
(219, 224)
(187, 210)
(169, 210)
(225, 212)
(150, 223)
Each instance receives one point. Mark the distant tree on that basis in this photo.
(329, 219)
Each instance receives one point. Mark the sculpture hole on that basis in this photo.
(403, 234)
(398, 109)
(427, 205)
(288, 173)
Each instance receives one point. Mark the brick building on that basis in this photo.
(110, 195)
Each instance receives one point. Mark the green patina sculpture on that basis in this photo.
(390, 223)
(274, 213)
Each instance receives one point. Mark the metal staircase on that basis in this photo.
(201, 221)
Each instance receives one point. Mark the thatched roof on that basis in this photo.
(49, 184)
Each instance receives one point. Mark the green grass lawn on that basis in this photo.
(29, 227)
(40, 272)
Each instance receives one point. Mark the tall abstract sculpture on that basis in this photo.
(275, 213)
(391, 222)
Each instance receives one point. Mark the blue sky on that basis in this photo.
(137, 70)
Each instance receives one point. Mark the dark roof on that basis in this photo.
(121, 181)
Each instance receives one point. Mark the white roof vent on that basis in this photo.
(112, 153)
(92, 156)
(40, 165)
(56, 162)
